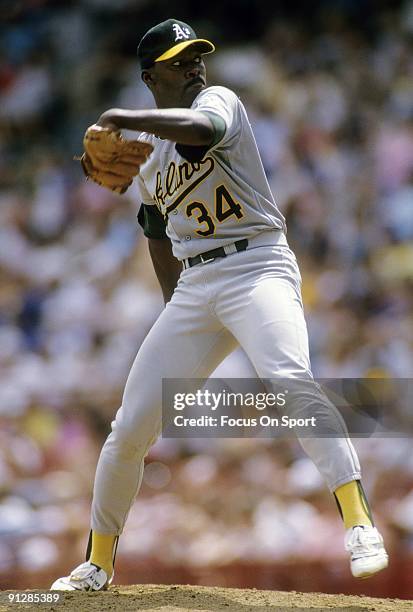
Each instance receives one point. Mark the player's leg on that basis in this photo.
(268, 321)
(186, 341)
(167, 352)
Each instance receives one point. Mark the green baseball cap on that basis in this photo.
(167, 39)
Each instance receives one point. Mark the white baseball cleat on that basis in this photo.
(85, 577)
(367, 552)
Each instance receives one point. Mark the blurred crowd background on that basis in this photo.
(329, 91)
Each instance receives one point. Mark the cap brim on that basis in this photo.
(205, 46)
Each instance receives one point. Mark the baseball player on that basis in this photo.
(240, 285)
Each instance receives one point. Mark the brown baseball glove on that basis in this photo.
(110, 160)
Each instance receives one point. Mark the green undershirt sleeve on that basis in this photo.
(152, 221)
(219, 127)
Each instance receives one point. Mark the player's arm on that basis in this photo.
(167, 267)
(182, 125)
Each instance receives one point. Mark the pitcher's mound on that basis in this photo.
(169, 598)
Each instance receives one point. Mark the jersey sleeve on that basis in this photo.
(152, 222)
(145, 195)
(222, 103)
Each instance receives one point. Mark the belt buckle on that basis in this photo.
(206, 260)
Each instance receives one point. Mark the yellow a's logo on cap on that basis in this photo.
(181, 33)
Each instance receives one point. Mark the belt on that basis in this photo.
(273, 237)
(208, 256)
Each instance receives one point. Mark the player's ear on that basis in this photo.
(147, 77)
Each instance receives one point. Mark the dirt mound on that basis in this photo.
(168, 598)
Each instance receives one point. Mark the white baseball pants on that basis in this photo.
(251, 298)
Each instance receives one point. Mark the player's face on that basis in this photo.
(176, 82)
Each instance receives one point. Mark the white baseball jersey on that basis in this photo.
(223, 198)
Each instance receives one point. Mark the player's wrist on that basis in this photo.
(109, 119)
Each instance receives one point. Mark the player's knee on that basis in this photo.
(134, 436)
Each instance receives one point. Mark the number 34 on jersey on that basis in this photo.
(224, 207)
